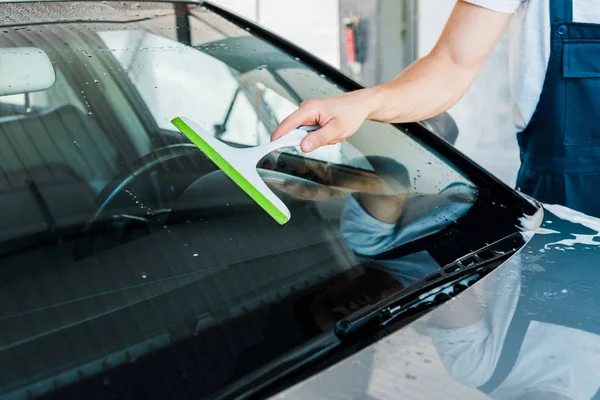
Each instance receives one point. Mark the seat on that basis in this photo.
(52, 165)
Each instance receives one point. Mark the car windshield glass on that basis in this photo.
(126, 255)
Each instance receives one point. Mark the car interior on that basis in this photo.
(128, 257)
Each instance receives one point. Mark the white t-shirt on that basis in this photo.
(423, 215)
(530, 47)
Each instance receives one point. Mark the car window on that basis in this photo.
(200, 85)
(60, 94)
(234, 104)
(16, 99)
(128, 258)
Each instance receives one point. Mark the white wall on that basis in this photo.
(487, 134)
(311, 24)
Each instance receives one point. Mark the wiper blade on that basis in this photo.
(434, 289)
(366, 324)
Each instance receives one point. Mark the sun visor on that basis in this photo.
(24, 70)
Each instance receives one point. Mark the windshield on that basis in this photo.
(126, 254)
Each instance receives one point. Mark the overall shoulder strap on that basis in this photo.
(561, 11)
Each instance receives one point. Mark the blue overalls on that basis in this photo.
(560, 147)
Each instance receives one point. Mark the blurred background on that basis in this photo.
(373, 40)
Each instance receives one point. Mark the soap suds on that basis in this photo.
(530, 223)
(576, 218)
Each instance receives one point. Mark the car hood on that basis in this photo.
(531, 326)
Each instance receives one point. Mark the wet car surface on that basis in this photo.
(530, 328)
(131, 267)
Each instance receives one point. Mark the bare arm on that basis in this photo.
(430, 86)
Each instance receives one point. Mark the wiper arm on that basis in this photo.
(434, 289)
(221, 128)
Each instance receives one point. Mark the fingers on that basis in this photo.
(329, 114)
(305, 115)
(328, 134)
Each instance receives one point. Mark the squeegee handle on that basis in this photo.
(292, 139)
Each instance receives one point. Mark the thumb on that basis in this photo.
(321, 137)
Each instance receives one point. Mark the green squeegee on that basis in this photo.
(240, 164)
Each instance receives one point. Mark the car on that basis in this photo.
(132, 267)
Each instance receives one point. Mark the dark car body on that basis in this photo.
(132, 267)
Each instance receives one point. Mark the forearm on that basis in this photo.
(427, 88)
(438, 81)
(430, 86)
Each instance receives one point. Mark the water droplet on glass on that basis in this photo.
(564, 291)
(144, 275)
(96, 81)
(195, 254)
(90, 113)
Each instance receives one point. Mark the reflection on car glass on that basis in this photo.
(530, 330)
(380, 214)
(419, 216)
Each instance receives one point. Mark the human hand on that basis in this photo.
(339, 117)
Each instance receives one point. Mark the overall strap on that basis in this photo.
(561, 11)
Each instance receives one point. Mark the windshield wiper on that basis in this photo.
(431, 291)
(349, 332)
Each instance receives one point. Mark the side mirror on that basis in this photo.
(443, 126)
(24, 70)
